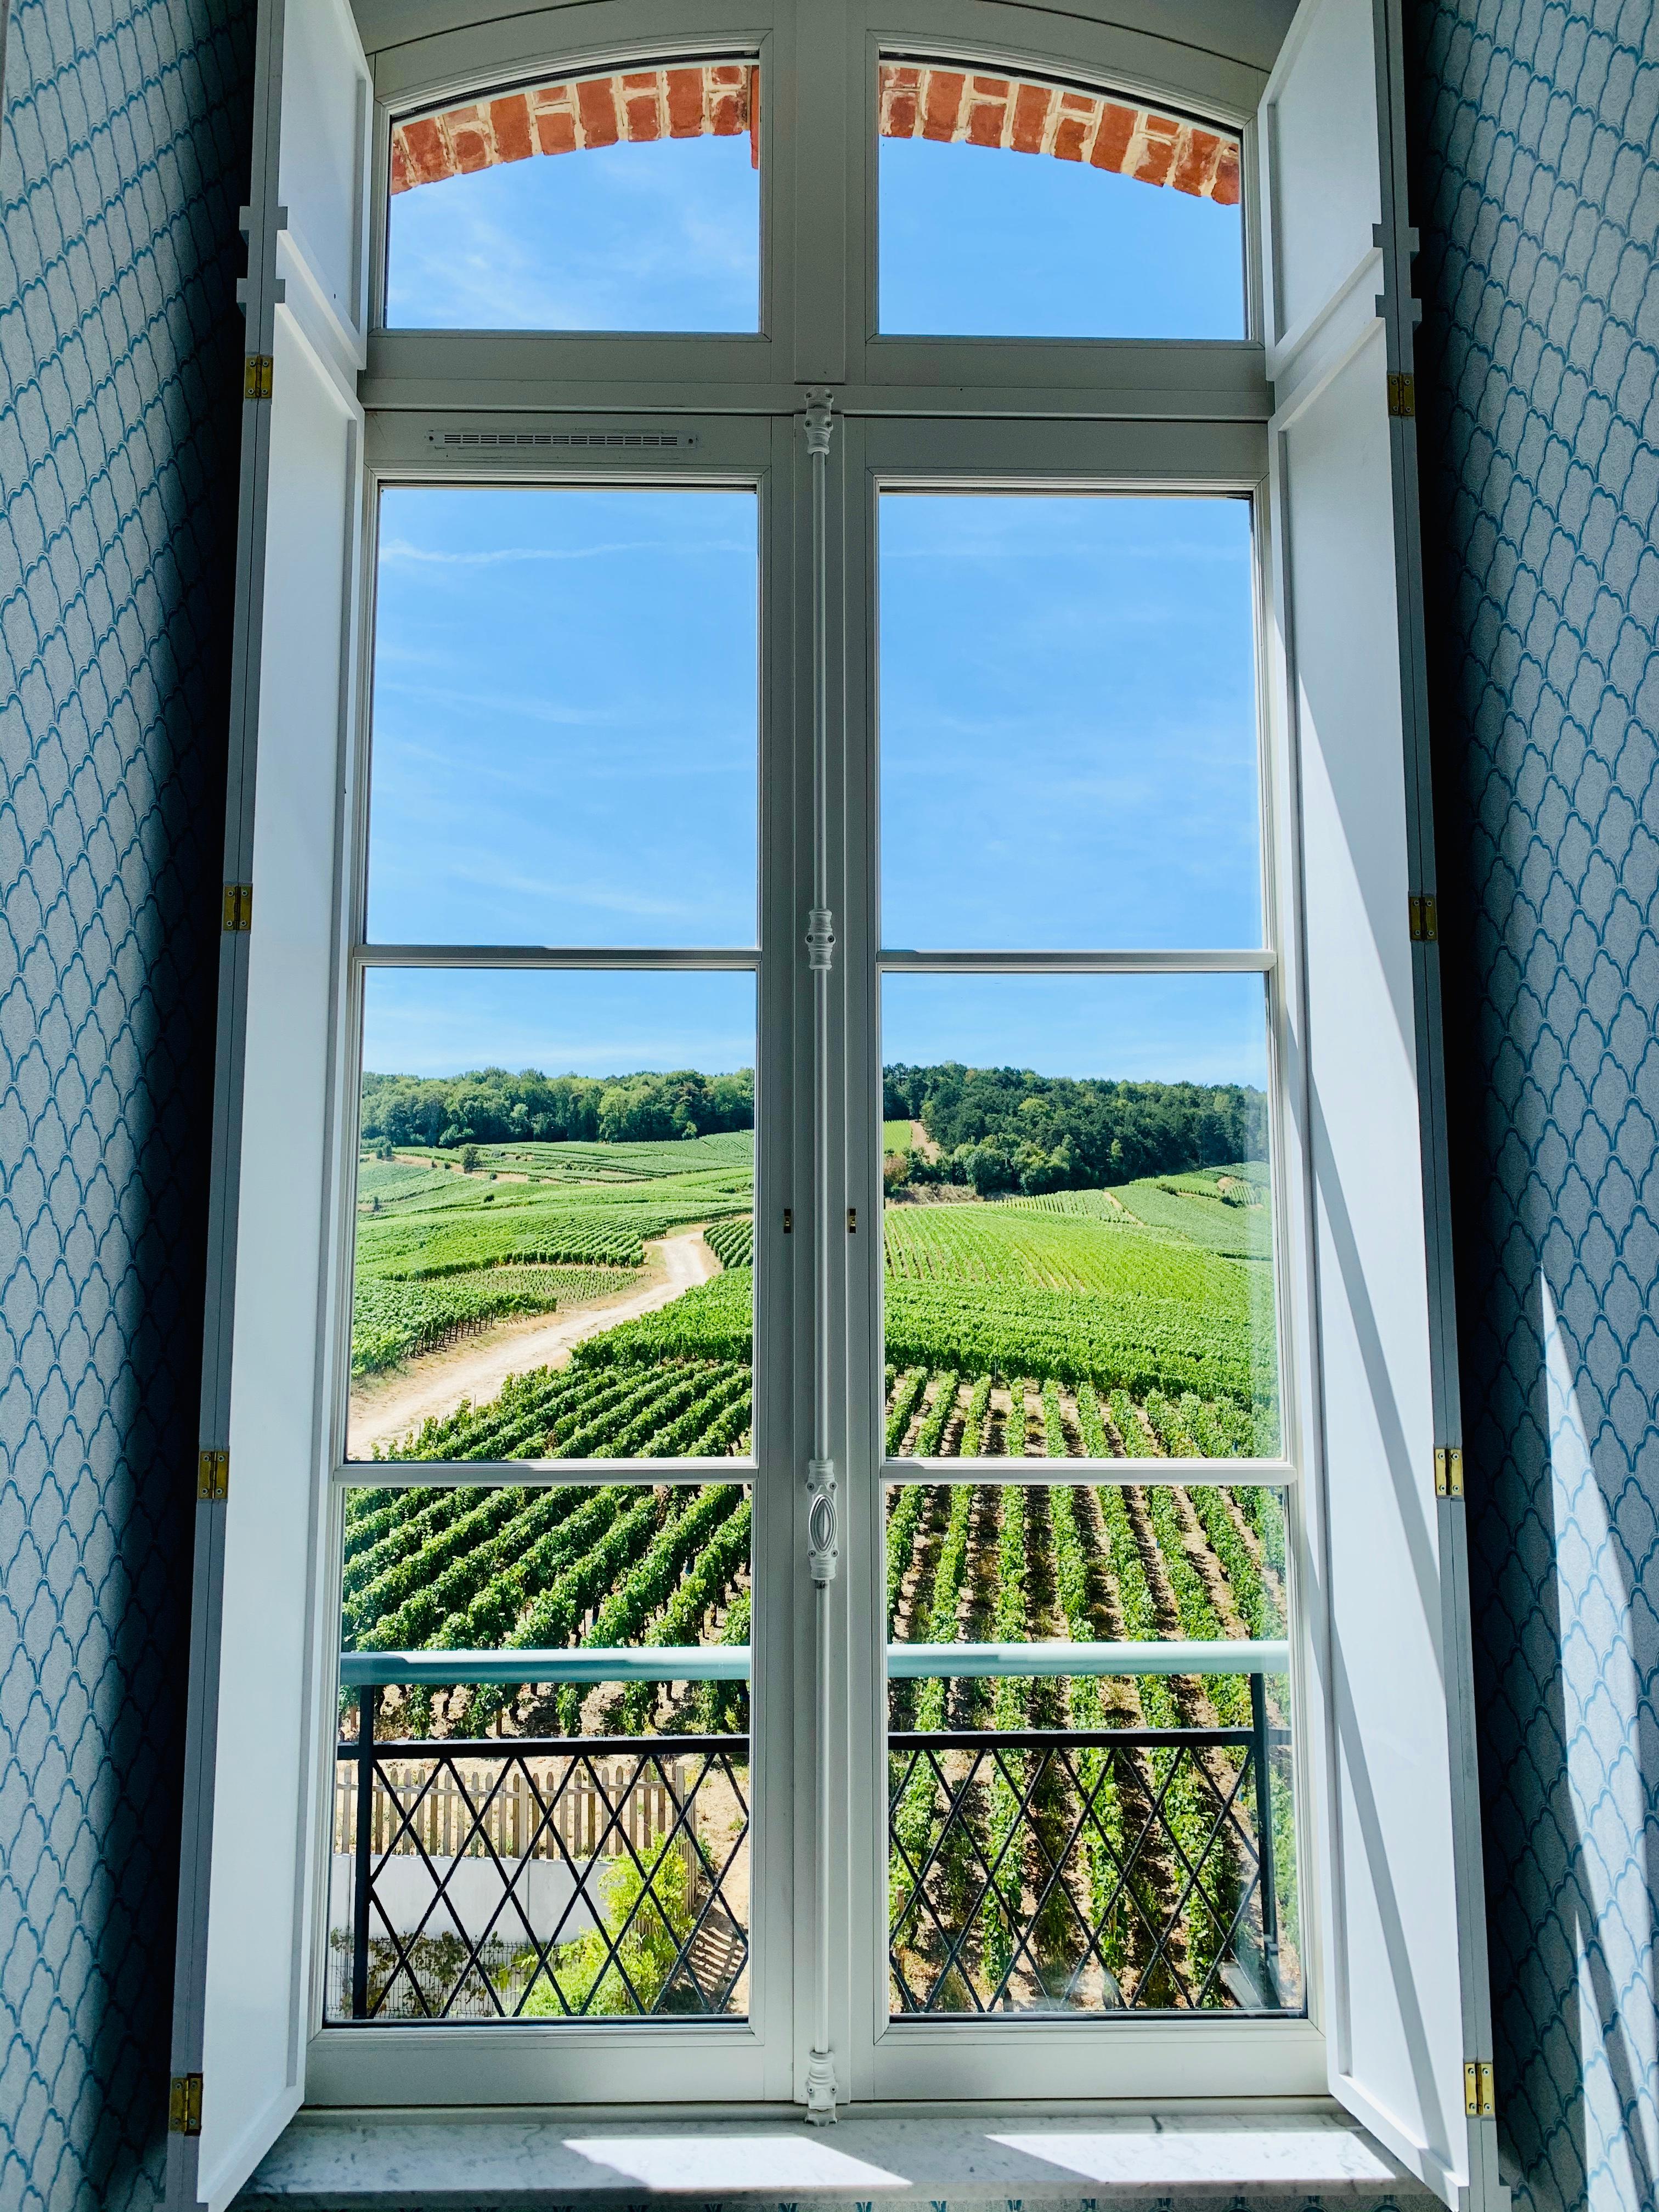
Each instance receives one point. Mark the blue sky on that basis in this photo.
(1172, 1028)
(565, 700)
(565, 741)
(1068, 723)
(565, 723)
(658, 237)
(666, 237)
(427, 1022)
(1201, 1029)
(983, 243)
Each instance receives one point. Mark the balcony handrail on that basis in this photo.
(730, 1663)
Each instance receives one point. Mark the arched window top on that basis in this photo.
(692, 99)
(660, 228)
(721, 99)
(1022, 115)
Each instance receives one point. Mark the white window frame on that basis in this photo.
(1104, 413)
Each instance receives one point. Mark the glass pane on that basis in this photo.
(650, 221)
(570, 1845)
(1068, 723)
(564, 736)
(1125, 223)
(1089, 1867)
(555, 1207)
(1078, 1235)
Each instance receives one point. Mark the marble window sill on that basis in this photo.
(1022, 2161)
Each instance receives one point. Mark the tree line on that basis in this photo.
(493, 1106)
(1005, 1129)
(997, 1128)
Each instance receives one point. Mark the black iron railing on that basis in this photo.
(1037, 1871)
(529, 1878)
(596, 1877)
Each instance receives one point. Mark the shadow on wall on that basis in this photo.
(1566, 1768)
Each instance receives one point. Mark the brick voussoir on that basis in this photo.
(721, 99)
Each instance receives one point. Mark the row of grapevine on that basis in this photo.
(395, 1319)
(942, 1413)
(733, 1243)
(1083, 1564)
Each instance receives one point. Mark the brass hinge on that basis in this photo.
(1425, 914)
(213, 1475)
(1402, 395)
(1479, 2102)
(852, 1221)
(788, 1220)
(185, 2104)
(256, 376)
(1448, 1471)
(239, 906)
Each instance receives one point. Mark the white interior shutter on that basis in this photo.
(1407, 2005)
(245, 1902)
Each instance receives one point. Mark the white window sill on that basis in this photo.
(1023, 2159)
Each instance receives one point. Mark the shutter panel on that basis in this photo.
(1406, 1997)
(246, 1913)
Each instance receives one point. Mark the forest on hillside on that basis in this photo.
(1005, 1128)
(996, 1129)
(492, 1107)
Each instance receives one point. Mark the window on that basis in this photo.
(1124, 223)
(656, 228)
(831, 1469)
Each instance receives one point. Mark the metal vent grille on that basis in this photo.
(450, 441)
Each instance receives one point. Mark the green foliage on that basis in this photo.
(1239, 1232)
(904, 1511)
(1005, 1128)
(930, 1436)
(440, 1255)
(973, 1421)
(491, 1107)
(731, 1242)
(713, 1321)
(392, 1321)
(1049, 1288)
(723, 1705)
(906, 1399)
(1136, 1345)
(625, 1966)
(1228, 1693)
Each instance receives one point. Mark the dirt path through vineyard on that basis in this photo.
(383, 1412)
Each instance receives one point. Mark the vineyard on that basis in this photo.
(537, 1227)
(578, 1566)
(1162, 1287)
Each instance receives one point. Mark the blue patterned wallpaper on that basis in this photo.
(1537, 197)
(122, 161)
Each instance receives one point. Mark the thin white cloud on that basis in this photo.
(400, 552)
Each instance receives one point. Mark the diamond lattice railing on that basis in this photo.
(1047, 1870)
(545, 1878)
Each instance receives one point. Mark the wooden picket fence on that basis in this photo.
(631, 1800)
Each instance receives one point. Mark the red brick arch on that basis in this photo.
(721, 99)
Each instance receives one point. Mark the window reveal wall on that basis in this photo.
(1535, 406)
(123, 159)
